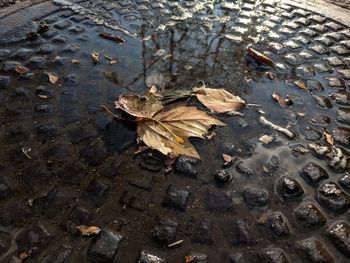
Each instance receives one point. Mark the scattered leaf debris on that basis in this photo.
(95, 57)
(189, 259)
(259, 57)
(111, 60)
(21, 70)
(266, 139)
(52, 78)
(26, 151)
(227, 158)
(270, 75)
(328, 136)
(282, 102)
(76, 61)
(177, 243)
(88, 230)
(300, 84)
(113, 37)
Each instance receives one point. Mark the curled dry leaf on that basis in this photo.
(145, 106)
(52, 78)
(219, 100)
(88, 230)
(328, 136)
(21, 70)
(300, 84)
(259, 57)
(266, 139)
(95, 57)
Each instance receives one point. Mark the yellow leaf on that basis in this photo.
(88, 230)
(95, 57)
(52, 78)
(328, 136)
(168, 131)
(139, 106)
(21, 70)
(219, 100)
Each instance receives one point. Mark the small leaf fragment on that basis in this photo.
(328, 136)
(111, 60)
(227, 158)
(300, 84)
(21, 70)
(283, 130)
(211, 135)
(95, 57)
(259, 57)
(282, 102)
(270, 75)
(75, 61)
(52, 78)
(266, 139)
(88, 230)
(113, 37)
(189, 259)
(300, 149)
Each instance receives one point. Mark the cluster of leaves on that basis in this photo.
(167, 126)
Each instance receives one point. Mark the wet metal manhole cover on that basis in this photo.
(65, 163)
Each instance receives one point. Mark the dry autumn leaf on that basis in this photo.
(219, 100)
(259, 57)
(328, 136)
(21, 70)
(52, 78)
(95, 57)
(88, 230)
(168, 131)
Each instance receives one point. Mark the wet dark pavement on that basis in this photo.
(65, 163)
